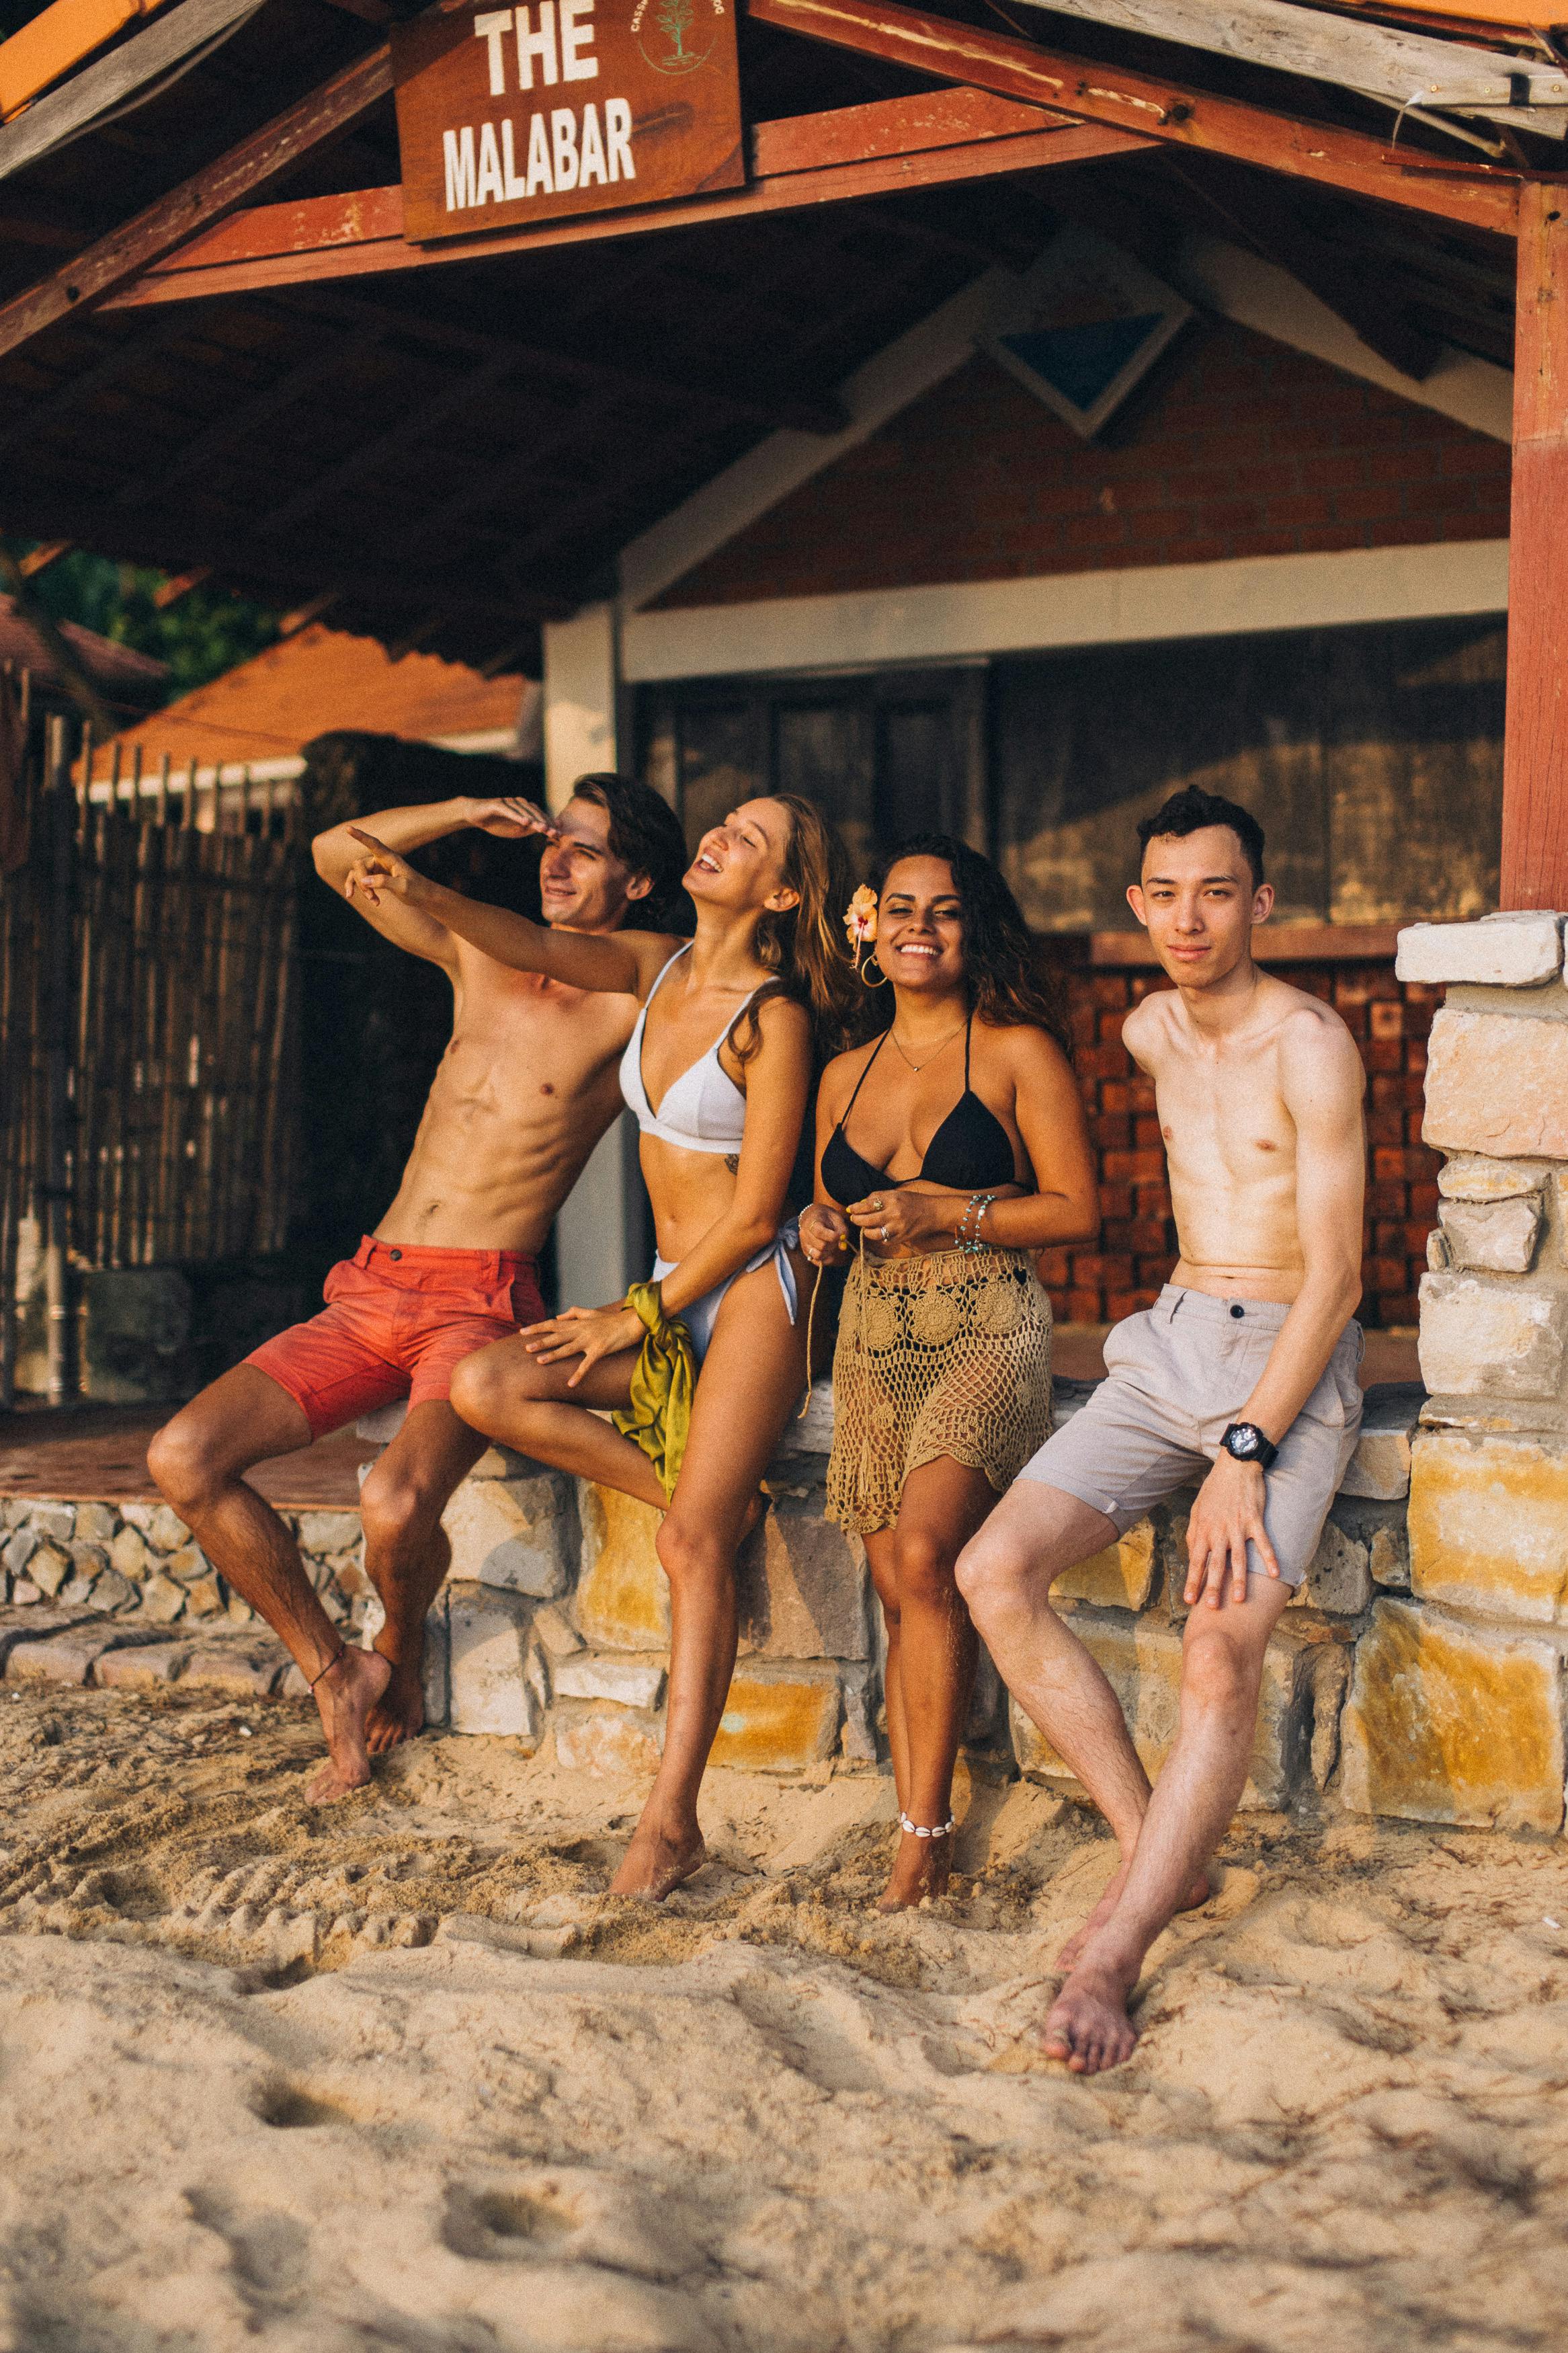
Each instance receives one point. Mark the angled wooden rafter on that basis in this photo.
(1473, 193)
(897, 143)
(266, 155)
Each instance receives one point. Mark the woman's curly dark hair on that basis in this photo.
(1010, 979)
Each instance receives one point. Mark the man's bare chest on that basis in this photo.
(1225, 1119)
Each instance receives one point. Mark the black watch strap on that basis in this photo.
(1244, 1443)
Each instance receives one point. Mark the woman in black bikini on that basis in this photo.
(950, 1185)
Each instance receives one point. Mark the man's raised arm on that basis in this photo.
(336, 852)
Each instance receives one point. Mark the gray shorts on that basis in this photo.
(1175, 1377)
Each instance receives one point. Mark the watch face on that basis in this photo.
(1244, 1442)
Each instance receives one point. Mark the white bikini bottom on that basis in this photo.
(699, 1316)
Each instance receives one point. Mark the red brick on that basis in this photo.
(1135, 1168)
(1115, 1201)
(1110, 1028)
(1112, 1130)
(1084, 1307)
(1146, 1130)
(1052, 1267)
(1424, 1200)
(1101, 1062)
(1109, 990)
(1384, 1054)
(1403, 1308)
(1385, 1126)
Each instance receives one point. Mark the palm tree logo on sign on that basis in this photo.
(676, 37)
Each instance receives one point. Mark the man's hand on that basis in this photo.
(591, 1333)
(381, 869)
(510, 817)
(824, 1233)
(1227, 1515)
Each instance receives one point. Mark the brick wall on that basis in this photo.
(1124, 1270)
(1239, 446)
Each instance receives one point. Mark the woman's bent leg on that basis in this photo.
(943, 1505)
(751, 1380)
(880, 1557)
(509, 1396)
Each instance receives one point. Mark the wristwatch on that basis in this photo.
(1247, 1442)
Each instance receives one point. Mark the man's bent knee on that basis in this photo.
(183, 1462)
(396, 1510)
(1221, 1677)
(991, 1573)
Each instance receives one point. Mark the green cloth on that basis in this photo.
(663, 1382)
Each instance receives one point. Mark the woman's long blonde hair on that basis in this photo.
(804, 948)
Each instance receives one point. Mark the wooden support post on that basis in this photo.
(60, 1007)
(1535, 758)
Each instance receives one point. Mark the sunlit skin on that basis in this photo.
(545, 1391)
(1024, 1079)
(525, 1089)
(1258, 1088)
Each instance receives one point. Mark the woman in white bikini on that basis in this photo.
(702, 1365)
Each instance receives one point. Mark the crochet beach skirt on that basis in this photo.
(944, 1354)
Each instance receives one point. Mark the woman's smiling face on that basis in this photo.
(920, 926)
(740, 863)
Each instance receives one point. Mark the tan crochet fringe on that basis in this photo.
(946, 1355)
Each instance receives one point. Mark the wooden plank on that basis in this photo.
(1535, 750)
(98, 87)
(1379, 60)
(266, 155)
(184, 280)
(1478, 196)
(890, 126)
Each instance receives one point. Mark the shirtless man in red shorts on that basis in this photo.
(526, 1088)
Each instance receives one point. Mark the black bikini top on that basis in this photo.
(969, 1150)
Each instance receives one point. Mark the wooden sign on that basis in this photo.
(507, 116)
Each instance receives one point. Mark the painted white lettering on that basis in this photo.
(457, 149)
(593, 149)
(514, 186)
(489, 28)
(563, 133)
(540, 44)
(574, 39)
(538, 173)
(618, 138)
(489, 167)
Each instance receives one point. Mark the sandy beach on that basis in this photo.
(399, 2075)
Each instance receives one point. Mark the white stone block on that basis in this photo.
(1338, 1576)
(1500, 1237)
(1479, 1338)
(383, 1426)
(1476, 1176)
(1509, 951)
(488, 1654)
(438, 1664)
(327, 1531)
(811, 1432)
(1380, 1467)
(555, 1631)
(514, 1533)
(596, 1674)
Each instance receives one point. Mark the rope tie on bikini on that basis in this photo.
(922, 1829)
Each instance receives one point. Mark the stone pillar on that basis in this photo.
(582, 692)
(1457, 1712)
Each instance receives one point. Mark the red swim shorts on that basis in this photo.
(397, 1322)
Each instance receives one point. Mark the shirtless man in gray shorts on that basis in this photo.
(1245, 1369)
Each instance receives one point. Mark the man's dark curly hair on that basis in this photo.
(645, 834)
(1009, 978)
(1192, 810)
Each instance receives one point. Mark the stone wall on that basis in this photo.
(1456, 1710)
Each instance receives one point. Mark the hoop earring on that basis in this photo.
(881, 982)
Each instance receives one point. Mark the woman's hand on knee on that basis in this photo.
(588, 1332)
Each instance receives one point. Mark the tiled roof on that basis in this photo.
(118, 674)
(268, 708)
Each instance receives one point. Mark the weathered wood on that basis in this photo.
(1161, 110)
(266, 155)
(1379, 60)
(889, 126)
(316, 248)
(129, 67)
(1535, 755)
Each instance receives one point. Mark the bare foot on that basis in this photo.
(654, 1866)
(345, 1695)
(399, 1714)
(920, 1868)
(1088, 2025)
(1197, 1894)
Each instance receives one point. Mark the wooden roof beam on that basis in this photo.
(320, 237)
(269, 154)
(1474, 193)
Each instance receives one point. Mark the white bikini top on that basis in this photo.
(703, 1110)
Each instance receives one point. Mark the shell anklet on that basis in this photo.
(920, 1830)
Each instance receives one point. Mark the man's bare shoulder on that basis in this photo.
(1148, 1027)
(1317, 1055)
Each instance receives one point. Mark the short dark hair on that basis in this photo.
(646, 834)
(1191, 809)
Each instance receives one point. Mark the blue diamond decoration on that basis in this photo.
(1082, 363)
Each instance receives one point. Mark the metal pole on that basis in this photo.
(59, 831)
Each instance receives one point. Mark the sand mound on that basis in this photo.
(399, 2075)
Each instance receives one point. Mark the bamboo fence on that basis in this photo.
(183, 1024)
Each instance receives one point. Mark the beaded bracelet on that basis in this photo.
(976, 1207)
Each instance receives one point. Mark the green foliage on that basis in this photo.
(204, 634)
(675, 20)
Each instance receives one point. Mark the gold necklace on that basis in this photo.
(932, 1055)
